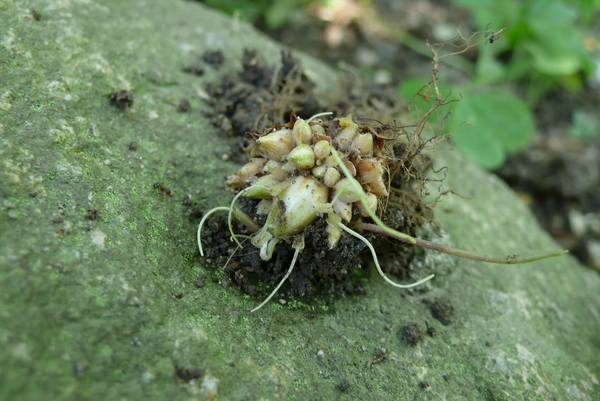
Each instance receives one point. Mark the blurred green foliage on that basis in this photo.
(543, 45)
(542, 49)
(274, 12)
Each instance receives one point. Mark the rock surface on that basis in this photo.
(98, 269)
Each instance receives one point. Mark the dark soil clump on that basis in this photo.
(260, 96)
(317, 267)
(441, 311)
(413, 333)
(214, 58)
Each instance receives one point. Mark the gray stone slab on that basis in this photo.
(87, 309)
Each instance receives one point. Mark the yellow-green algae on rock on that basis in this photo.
(87, 309)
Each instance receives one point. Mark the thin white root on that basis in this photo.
(363, 239)
(299, 246)
(230, 217)
(206, 216)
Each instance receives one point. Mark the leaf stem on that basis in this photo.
(507, 260)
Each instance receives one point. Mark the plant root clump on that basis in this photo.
(308, 182)
(312, 186)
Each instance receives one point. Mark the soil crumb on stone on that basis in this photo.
(441, 311)
(413, 333)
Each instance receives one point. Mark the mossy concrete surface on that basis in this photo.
(104, 306)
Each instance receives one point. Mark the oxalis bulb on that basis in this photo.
(338, 171)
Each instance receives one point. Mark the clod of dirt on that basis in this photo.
(442, 311)
(317, 267)
(344, 385)
(184, 106)
(260, 96)
(92, 214)
(187, 374)
(214, 58)
(413, 333)
(123, 99)
(432, 331)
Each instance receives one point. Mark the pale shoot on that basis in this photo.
(363, 198)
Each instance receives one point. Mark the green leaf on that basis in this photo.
(420, 96)
(488, 69)
(489, 124)
(492, 12)
(278, 14)
(414, 91)
(555, 41)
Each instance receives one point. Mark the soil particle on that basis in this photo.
(432, 331)
(214, 58)
(187, 374)
(92, 214)
(200, 282)
(413, 333)
(260, 96)
(442, 311)
(184, 106)
(344, 385)
(123, 99)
